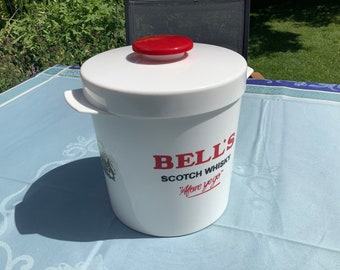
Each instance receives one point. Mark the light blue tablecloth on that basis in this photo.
(284, 208)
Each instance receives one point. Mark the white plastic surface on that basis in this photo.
(122, 82)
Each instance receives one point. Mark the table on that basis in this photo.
(284, 208)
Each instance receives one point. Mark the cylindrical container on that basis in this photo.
(165, 117)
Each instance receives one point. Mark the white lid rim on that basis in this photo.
(166, 106)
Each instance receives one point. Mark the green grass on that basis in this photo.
(296, 41)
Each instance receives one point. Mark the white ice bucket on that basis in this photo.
(165, 112)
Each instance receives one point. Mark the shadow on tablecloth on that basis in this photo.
(71, 203)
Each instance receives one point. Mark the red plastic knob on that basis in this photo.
(162, 45)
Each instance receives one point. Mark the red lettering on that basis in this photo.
(183, 160)
(163, 162)
(231, 141)
(188, 189)
(200, 160)
(217, 151)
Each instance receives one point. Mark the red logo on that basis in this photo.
(190, 191)
(166, 162)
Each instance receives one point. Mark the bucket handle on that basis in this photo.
(76, 99)
(249, 71)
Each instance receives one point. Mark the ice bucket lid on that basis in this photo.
(164, 78)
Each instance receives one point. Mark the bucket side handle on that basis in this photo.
(249, 71)
(76, 99)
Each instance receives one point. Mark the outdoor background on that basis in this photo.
(289, 40)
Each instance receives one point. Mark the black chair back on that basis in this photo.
(219, 22)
